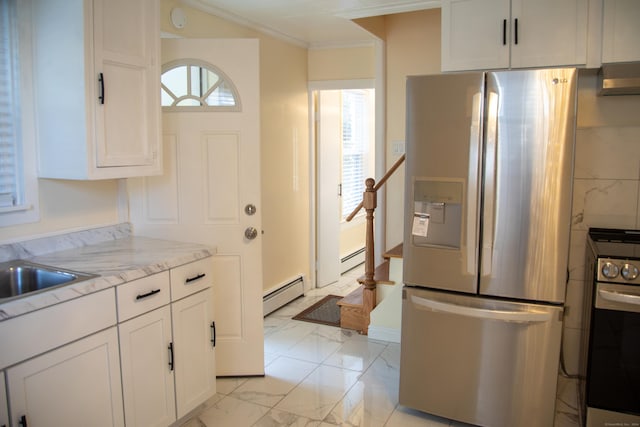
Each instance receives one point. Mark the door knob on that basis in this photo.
(250, 233)
(250, 209)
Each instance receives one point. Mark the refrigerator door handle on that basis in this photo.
(473, 179)
(483, 313)
(489, 214)
(619, 297)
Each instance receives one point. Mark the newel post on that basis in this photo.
(369, 202)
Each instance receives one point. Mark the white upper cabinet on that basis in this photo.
(621, 31)
(97, 88)
(475, 34)
(513, 33)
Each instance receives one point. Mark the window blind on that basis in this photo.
(9, 118)
(354, 146)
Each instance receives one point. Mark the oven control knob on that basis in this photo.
(629, 272)
(610, 270)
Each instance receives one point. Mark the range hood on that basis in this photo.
(619, 79)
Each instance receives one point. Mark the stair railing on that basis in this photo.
(369, 202)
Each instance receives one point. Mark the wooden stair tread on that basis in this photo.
(355, 309)
(380, 275)
(395, 252)
(354, 299)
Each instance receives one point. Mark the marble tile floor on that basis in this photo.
(323, 376)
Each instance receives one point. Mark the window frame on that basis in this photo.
(223, 79)
(27, 211)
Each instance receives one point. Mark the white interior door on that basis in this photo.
(211, 173)
(329, 148)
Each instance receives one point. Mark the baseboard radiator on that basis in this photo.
(282, 295)
(352, 260)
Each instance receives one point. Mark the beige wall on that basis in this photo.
(284, 141)
(412, 47)
(347, 63)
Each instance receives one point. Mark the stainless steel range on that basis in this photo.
(610, 362)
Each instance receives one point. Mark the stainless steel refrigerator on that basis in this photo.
(488, 189)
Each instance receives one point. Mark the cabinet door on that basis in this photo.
(4, 412)
(147, 378)
(126, 65)
(548, 33)
(475, 34)
(194, 351)
(75, 385)
(621, 31)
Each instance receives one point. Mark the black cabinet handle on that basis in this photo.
(171, 356)
(191, 279)
(148, 294)
(213, 333)
(23, 421)
(516, 31)
(504, 32)
(101, 96)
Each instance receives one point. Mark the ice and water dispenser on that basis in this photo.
(437, 217)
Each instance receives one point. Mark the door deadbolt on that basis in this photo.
(250, 233)
(250, 209)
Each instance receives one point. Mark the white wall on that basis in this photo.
(69, 205)
(606, 189)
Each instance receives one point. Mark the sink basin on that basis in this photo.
(20, 277)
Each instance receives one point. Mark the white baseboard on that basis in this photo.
(384, 334)
(351, 261)
(282, 295)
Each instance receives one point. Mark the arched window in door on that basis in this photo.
(192, 85)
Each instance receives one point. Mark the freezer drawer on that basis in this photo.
(480, 361)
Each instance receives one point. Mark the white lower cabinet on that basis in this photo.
(194, 350)
(168, 353)
(4, 411)
(77, 368)
(75, 385)
(147, 380)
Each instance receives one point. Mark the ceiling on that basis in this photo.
(309, 23)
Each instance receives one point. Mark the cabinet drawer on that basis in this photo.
(34, 333)
(143, 295)
(190, 278)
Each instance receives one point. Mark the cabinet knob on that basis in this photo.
(504, 32)
(101, 81)
(171, 361)
(23, 421)
(213, 334)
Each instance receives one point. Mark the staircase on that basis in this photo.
(356, 308)
(353, 312)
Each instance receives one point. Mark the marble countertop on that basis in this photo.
(115, 261)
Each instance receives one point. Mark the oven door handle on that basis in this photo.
(619, 297)
(484, 313)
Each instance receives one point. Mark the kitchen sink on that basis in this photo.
(20, 278)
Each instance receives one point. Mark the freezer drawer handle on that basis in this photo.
(619, 297)
(482, 313)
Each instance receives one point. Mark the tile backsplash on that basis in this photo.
(606, 189)
(40, 246)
